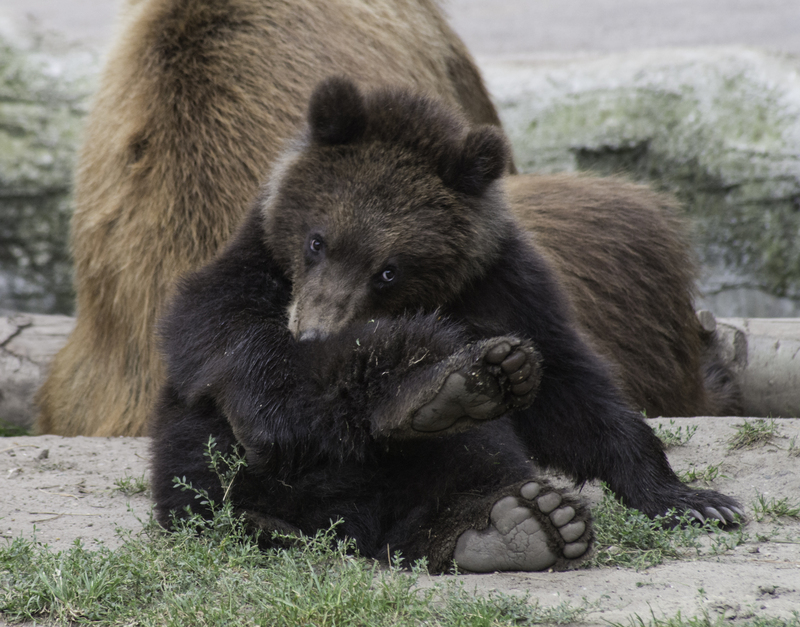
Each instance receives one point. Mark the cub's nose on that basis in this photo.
(311, 334)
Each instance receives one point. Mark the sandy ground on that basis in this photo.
(60, 489)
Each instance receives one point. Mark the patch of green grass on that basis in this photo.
(695, 474)
(728, 541)
(212, 572)
(755, 433)
(129, 485)
(774, 508)
(674, 435)
(626, 537)
(7, 430)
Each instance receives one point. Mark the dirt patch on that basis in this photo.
(61, 489)
(73, 492)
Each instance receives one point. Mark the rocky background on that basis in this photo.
(720, 128)
(658, 91)
(44, 89)
(700, 98)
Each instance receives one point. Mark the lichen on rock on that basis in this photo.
(718, 127)
(43, 100)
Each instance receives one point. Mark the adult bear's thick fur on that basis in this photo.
(623, 257)
(194, 103)
(387, 345)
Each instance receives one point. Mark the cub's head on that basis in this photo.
(389, 203)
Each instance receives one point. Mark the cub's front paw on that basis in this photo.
(709, 505)
(680, 499)
(501, 374)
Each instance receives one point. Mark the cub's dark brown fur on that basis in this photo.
(623, 257)
(194, 103)
(375, 284)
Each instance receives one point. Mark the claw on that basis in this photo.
(729, 515)
(697, 515)
(713, 513)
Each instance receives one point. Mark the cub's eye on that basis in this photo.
(315, 245)
(387, 278)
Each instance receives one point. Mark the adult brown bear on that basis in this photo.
(624, 259)
(195, 101)
(387, 346)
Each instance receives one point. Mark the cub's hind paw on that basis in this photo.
(535, 531)
(522, 365)
(504, 375)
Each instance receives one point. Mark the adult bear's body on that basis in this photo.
(623, 257)
(196, 100)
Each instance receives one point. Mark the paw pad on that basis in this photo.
(518, 538)
(502, 375)
(520, 364)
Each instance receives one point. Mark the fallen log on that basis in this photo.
(764, 353)
(27, 344)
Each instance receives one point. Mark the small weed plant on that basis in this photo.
(626, 537)
(129, 485)
(774, 508)
(696, 475)
(755, 433)
(8, 430)
(704, 619)
(673, 434)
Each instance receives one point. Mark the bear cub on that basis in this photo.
(387, 347)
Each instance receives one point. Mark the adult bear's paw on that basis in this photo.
(502, 374)
(538, 530)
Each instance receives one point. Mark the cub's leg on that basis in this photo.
(537, 529)
(480, 382)
(475, 498)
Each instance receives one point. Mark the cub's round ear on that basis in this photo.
(336, 113)
(482, 158)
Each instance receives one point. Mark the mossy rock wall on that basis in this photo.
(718, 127)
(43, 100)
